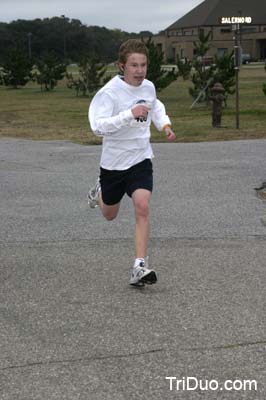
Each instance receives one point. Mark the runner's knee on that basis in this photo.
(110, 213)
(142, 208)
(109, 217)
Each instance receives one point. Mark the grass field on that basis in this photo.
(30, 113)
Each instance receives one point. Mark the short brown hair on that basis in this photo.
(132, 46)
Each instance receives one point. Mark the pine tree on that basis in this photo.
(91, 74)
(49, 71)
(224, 72)
(156, 74)
(184, 67)
(202, 46)
(204, 77)
(16, 70)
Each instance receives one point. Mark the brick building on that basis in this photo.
(178, 38)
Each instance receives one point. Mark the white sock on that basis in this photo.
(138, 261)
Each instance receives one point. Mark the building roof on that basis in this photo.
(209, 12)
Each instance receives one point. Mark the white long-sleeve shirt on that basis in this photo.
(126, 140)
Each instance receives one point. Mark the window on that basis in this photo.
(226, 30)
(221, 52)
(248, 29)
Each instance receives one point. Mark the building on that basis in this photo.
(219, 17)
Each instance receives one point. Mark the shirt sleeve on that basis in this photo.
(101, 118)
(159, 116)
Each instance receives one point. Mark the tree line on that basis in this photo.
(18, 69)
(40, 50)
(47, 65)
(68, 39)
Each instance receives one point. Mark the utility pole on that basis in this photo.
(236, 22)
(238, 62)
(64, 37)
(29, 44)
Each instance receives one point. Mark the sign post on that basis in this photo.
(238, 62)
(236, 22)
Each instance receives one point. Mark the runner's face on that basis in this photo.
(135, 69)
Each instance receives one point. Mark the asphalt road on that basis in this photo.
(70, 325)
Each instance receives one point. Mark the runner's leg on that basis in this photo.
(141, 202)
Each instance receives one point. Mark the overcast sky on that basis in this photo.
(127, 15)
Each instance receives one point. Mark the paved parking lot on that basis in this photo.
(70, 325)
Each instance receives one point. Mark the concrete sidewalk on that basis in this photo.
(70, 325)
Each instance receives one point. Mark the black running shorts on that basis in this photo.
(114, 184)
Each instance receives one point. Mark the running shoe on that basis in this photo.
(141, 275)
(93, 194)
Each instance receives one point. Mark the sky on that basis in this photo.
(127, 15)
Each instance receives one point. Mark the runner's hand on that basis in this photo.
(140, 111)
(169, 133)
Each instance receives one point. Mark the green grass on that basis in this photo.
(30, 113)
